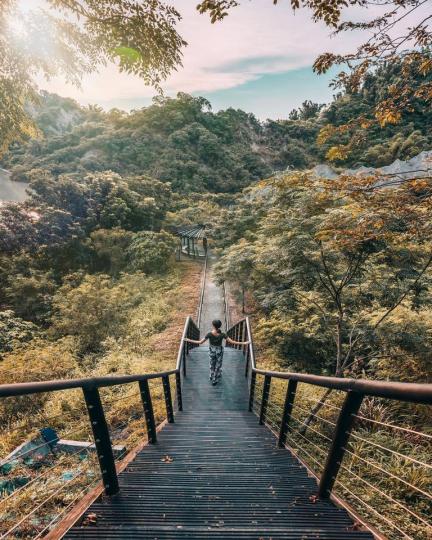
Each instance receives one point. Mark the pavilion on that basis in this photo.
(193, 240)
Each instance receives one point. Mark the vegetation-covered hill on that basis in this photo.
(183, 142)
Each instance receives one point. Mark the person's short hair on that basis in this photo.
(217, 324)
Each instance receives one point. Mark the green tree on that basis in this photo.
(236, 267)
(30, 295)
(150, 252)
(110, 246)
(336, 262)
(138, 35)
(334, 259)
(90, 309)
(14, 331)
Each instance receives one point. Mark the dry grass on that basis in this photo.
(184, 302)
(151, 351)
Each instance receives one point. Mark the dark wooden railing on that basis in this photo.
(202, 286)
(355, 391)
(96, 414)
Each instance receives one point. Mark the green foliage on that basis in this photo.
(14, 330)
(334, 266)
(30, 295)
(150, 252)
(94, 307)
(182, 142)
(39, 360)
(174, 140)
(110, 246)
(139, 36)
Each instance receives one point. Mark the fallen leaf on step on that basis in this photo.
(90, 519)
(167, 459)
(313, 498)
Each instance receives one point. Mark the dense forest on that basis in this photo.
(335, 274)
(181, 141)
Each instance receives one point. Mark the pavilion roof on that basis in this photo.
(192, 231)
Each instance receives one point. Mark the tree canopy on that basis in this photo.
(399, 31)
(181, 141)
(70, 38)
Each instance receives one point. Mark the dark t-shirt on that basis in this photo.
(216, 341)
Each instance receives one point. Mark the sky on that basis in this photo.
(259, 59)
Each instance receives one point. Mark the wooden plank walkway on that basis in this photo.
(227, 479)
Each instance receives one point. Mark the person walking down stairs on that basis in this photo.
(216, 350)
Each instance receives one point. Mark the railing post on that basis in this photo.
(184, 359)
(102, 440)
(247, 361)
(241, 335)
(288, 407)
(341, 436)
(265, 396)
(168, 399)
(148, 411)
(252, 391)
(179, 391)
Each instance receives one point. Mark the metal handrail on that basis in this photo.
(201, 300)
(90, 387)
(22, 389)
(190, 330)
(355, 390)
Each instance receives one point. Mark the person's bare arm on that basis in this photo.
(196, 342)
(232, 342)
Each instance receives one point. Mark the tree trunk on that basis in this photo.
(315, 410)
(243, 300)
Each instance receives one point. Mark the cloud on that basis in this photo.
(257, 39)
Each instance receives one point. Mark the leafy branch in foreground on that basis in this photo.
(399, 31)
(71, 38)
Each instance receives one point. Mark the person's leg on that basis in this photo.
(218, 364)
(213, 359)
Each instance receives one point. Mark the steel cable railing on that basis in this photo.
(273, 414)
(394, 452)
(42, 478)
(44, 474)
(34, 449)
(373, 510)
(390, 474)
(272, 419)
(386, 496)
(392, 426)
(43, 503)
(109, 415)
(327, 440)
(65, 510)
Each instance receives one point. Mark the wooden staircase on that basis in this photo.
(216, 473)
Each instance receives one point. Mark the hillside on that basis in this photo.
(182, 141)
